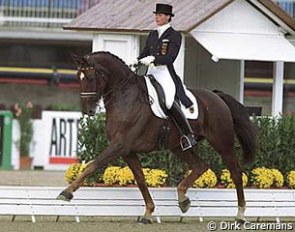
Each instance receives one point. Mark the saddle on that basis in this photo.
(157, 100)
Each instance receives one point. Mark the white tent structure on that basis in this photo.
(235, 30)
(240, 32)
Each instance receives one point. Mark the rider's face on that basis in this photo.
(162, 19)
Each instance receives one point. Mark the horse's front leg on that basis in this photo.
(134, 164)
(114, 150)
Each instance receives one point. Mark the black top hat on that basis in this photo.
(164, 9)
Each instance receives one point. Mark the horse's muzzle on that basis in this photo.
(91, 112)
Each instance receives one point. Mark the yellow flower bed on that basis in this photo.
(74, 171)
(124, 176)
(260, 177)
(155, 177)
(265, 178)
(291, 179)
(110, 175)
(117, 175)
(278, 178)
(207, 180)
(227, 181)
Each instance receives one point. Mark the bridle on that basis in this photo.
(91, 93)
(101, 74)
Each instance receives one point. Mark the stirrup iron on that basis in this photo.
(187, 143)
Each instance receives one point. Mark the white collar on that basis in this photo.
(163, 28)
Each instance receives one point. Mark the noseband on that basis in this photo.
(98, 73)
(88, 94)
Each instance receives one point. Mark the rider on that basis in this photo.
(160, 51)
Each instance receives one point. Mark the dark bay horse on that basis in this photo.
(133, 128)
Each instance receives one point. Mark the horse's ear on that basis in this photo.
(79, 60)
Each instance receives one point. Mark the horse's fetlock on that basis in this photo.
(150, 208)
(181, 189)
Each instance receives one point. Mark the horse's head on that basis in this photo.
(92, 82)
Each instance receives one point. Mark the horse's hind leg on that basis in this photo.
(226, 150)
(198, 167)
(231, 161)
(135, 166)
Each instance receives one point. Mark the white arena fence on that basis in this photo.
(127, 201)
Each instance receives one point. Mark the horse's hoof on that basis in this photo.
(144, 221)
(240, 221)
(184, 205)
(65, 196)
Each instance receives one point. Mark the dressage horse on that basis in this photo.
(132, 127)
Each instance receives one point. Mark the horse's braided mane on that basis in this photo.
(112, 55)
(137, 77)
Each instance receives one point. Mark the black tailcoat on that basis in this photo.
(165, 50)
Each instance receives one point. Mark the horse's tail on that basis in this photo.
(244, 128)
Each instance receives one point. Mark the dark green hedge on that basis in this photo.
(276, 148)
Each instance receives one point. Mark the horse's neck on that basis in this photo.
(121, 88)
(124, 95)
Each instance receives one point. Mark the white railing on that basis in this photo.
(109, 201)
(41, 13)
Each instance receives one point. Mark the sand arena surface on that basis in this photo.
(105, 224)
(32, 178)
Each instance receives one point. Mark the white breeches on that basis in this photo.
(162, 75)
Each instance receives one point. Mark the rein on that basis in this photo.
(96, 93)
(120, 85)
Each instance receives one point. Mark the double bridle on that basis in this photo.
(88, 94)
(97, 93)
(101, 74)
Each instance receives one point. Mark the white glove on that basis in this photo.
(147, 60)
(133, 62)
(132, 65)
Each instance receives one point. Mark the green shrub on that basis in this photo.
(276, 142)
(64, 107)
(276, 148)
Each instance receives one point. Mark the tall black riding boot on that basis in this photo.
(187, 140)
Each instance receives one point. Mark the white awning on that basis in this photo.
(246, 46)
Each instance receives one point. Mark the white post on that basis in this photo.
(124, 46)
(242, 81)
(96, 43)
(277, 88)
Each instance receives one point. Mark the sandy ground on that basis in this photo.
(107, 224)
(32, 178)
(47, 224)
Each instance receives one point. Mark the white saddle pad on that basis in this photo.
(156, 108)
